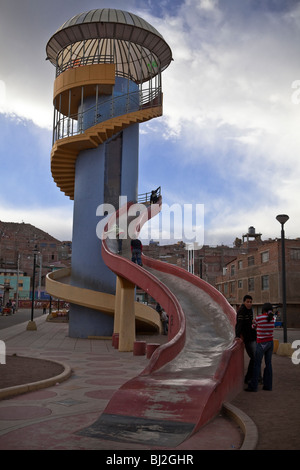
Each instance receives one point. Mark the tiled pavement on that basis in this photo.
(53, 417)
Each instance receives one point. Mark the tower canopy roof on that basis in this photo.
(123, 36)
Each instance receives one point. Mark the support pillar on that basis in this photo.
(124, 314)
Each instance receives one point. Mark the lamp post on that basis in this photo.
(31, 324)
(282, 219)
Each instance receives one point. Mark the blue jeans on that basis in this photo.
(136, 256)
(165, 327)
(263, 350)
(250, 347)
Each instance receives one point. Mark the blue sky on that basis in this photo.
(229, 137)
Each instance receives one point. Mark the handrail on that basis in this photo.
(81, 61)
(68, 126)
(146, 197)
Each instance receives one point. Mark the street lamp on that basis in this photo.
(282, 219)
(31, 324)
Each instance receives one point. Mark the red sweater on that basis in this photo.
(264, 328)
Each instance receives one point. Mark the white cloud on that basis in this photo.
(230, 77)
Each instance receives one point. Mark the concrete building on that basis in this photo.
(19, 284)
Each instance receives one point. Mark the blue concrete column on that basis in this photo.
(94, 183)
(88, 268)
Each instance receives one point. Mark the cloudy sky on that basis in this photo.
(228, 140)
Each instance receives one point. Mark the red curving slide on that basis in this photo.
(188, 378)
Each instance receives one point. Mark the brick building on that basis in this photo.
(206, 262)
(257, 271)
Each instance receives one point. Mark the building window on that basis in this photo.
(251, 284)
(240, 264)
(232, 269)
(264, 256)
(250, 260)
(295, 253)
(240, 284)
(226, 288)
(232, 288)
(265, 282)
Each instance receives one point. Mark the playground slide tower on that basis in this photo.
(108, 80)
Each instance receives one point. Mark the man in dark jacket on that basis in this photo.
(244, 330)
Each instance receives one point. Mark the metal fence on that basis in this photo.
(79, 62)
(67, 126)
(146, 197)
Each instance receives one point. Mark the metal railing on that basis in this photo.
(146, 197)
(79, 62)
(68, 126)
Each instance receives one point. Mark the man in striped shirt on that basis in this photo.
(264, 324)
